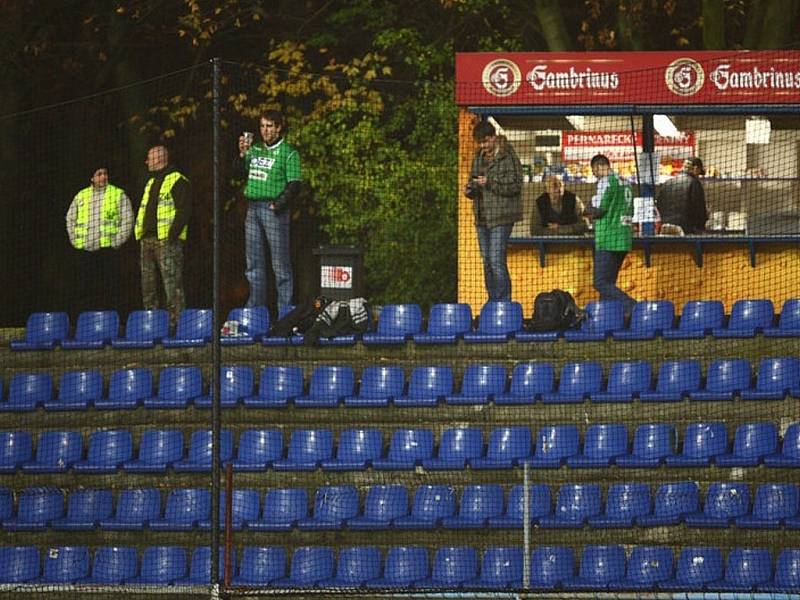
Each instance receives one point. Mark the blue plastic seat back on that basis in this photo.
(551, 566)
(649, 565)
(698, 565)
(195, 324)
(479, 502)
(778, 374)
(704, 440)
(311, 564)
(310, 445)
(577, 502)
(500, 317)
(579, 378)
(509, 443)
(433, 502)
(200, 565)
(180, 383)
(679, 376)
(386, 502)
(411, 445)
(483, 380)
(727, 500)
(358, 564)
(603, 316)
(262, 564)
(6, 503)
(655, 440)
(161, 446)
(40, 505)
(285, 505)
(430, 382)
(755, 440)
(728, 375)
(130, 385)
(89, 506)
(652, 316)
(378, 383)
(334, 503)
(790, 314)
(163, 564)
(787, 569)
(557, 441)
(236, 382)
(776, 501)
(46, 327)
(529, 379)
(453, 565)
(253, 321)
(602, 565)
(281, 383)
(701, 316)
(109, 448)
(405, 565)
(461, 443)
(331, 382)
(201, 450)
(449, 319)
(188, 505)
(59, 448)
(97, 326)
(114, 564)
(138, 505)
(246, 506)
(360, 445)
(19, 564)
(747, 567)
(628, 500)
(630, 377)
(147, 325)
(15, 447)
(605, 440)
(65, 564)
(30, 389)
(676, 499)
(791, 441)
(501, 566)
(260, 446)
(80, 387)
(751, 314)
(539, 501)
(400, 319)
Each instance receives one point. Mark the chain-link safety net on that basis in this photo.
(309, 335)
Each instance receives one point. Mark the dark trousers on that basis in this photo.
(98, 284)
(165, 258)
(607, 264)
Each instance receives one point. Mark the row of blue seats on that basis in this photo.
(399, 323)
(604, 444)
(697, 568)
(331, 385)
(775, 505)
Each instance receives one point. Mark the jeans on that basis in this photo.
(262, 222)
(164, 257)
(606, 268)
(492, 242)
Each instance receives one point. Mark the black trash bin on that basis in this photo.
(341, 272)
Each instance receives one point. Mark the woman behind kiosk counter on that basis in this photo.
(557, 211)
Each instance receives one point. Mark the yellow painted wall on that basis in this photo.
(673, 275)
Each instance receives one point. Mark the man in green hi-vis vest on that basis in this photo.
(99, 221)
(161, 228)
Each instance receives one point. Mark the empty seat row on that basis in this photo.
(601, 567)
(553, 446)
(332, 385)
(398, 323)
(626, 505)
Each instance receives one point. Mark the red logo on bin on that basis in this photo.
(336, 276)
(340, 274)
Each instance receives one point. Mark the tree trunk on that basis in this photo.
(754, 18)
(555, 33)
(714, 24)
(779, 21)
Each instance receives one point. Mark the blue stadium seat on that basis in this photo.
(404, 566)
(601, 567)
(673, 502)
(195, 328)
(788, 322)
(94, 329)
(383, 504)
(578, 381)
(746, 568)
(776, 379)
(200, 454)
(307, 448)
(19, 564)
(452, 567)
(702, 443)
(162, 565)
(107, 452)
(65, 565)
(329, 385)
(648, 319)
(498, 322)
(235, 383)
(27, 391)
(260, 566)
(752, 442)
(446, 324)
(603, 318)
(726, 378)
(603, 443)
(85, 510)
(253, 325)
(136, 507)
(479, 385)
(185, 508)
(501, 569)
(457, 446)
(245, 509)
(333, 506)
(6, 503)
(724, 502)
(574, 505)
(143, 329)
(283, 507)
(407, 449)
(698, 319)
(200, 566)
(36, 509)
(508, 447)
(158, 449)
(16, 448)
(539, 505)
(787, 573)
(127, 389)
(310, 566)
(432, 503)
(278, 386)
(648, 566)
(790, 452)
(177, 387)
(356, 450)
(379, 386)
(554, 444)
(43, 331)
(677, 379)
(356, 566)
(427, 386)
(551, 566)
(626, 381)
(748, 318)
(257, 450)
(77, 390)
(528, 382)
(478, 504)
(624, 504)
(773, 504)
(113, 565)
(697, 568)
(653, 443)
(396, 324)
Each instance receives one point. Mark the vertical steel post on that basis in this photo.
(526, 528)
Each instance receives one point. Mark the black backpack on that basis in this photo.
(555, 310)
(300, 318)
